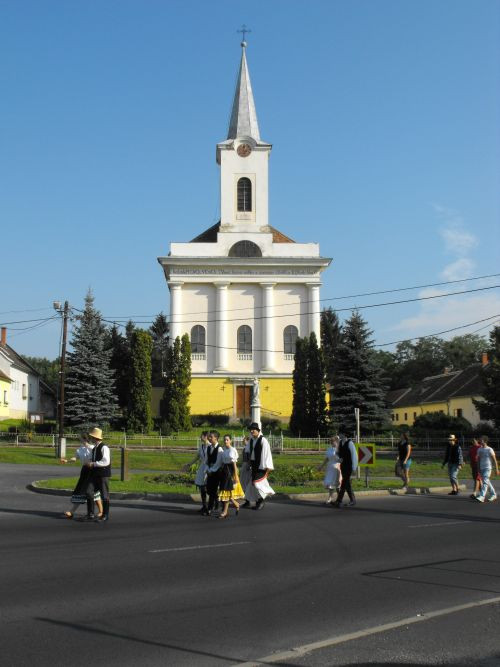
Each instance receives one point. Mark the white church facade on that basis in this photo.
(242, 290)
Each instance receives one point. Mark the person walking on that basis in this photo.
(332, 477)
(404, 458)
(84, 491)
(201, 474)
(101, 469)
(455, 460)
(473, 449)
(230, 488)
(261, 462)
(348, 464)
(246, 468)
(214, 465)
(485, 460)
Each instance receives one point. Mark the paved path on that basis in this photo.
(160, 584)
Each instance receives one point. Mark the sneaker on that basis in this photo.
(473, 496)
(492, 499)
(479, 499)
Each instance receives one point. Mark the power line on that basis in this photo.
(338, 310)
(26, 310)
(117, 318)
(39, 319)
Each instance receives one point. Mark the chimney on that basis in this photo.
(484, 356)
(3, 340)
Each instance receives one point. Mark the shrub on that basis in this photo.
(270, 424)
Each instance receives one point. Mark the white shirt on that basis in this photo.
(485, 458)
(229, 455)
(218, 461)
(266, 457)
(84, 453)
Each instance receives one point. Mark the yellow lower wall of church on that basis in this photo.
(217, 395)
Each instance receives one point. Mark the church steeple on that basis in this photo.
(243, 121)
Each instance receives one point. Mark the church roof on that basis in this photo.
(210, 235)
(243, 121)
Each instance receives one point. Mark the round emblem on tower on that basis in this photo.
(244, 150)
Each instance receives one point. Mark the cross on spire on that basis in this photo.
(244, 31)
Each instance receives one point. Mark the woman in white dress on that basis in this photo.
(230, 488)
(333, 475)
(201, 474)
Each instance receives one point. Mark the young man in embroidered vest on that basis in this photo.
(214, 467)
(101, 469)
(261, 461)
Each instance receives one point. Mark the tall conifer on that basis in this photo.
(174, 406)
(139, 415)
(90, 392)
(298, 423)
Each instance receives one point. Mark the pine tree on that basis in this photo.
(120, 363)
(139, 414)
(174, 407)
(90, 393)
(490, 407)
(331, 332)
(159, 332)
(357, 381)
(316, 413)
(300, 401)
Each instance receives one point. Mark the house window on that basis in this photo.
(5, 402)
(414, 415)
(459, 412)
(392, 416)
(406, 416)
(24, 394)
(290, 334)
(244, 194)
(244, 342)
(397, 416)
(198, 345)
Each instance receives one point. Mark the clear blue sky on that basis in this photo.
(384, 118)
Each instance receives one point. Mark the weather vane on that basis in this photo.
(244, 30)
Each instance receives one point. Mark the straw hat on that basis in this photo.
(96, 433)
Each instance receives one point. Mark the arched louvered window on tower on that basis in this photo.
(290, 334)
(244, 195)
(245, 249)
(198, 344)
(244, 343)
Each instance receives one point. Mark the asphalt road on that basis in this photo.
(395, 580)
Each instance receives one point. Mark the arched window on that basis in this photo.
(290, 334)
(244, 194)
(244, 340)
(198, 339)
(245, 249)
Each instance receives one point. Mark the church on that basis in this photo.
(243, 290)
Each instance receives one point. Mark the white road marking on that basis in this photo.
(197, 546)
(300, 651)
(443, 523)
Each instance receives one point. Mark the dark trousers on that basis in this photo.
(102, 484)
(213, 481)
(345, 485)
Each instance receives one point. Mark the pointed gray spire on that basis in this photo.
(243, 121)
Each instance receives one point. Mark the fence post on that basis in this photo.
(124, 474)
(282, 445)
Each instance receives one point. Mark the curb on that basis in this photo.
(295, 497)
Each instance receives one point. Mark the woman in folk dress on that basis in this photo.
(230, 487)
(333, 475)
(84, 490)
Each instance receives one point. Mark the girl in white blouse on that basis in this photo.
(230, 487)
(332, 474)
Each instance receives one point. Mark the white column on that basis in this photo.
(313, 308)
(267, 338)
(221, 327)
(175, 310)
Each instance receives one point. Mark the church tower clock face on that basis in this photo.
(244, 150)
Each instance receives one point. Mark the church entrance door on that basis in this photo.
(243, 397)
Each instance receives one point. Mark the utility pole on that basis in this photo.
(61, 448)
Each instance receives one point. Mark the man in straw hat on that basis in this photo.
(259, 454)
(101, 469)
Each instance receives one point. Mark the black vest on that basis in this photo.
(212, 454)
(99, 471)
(344, 453)
(257, 448)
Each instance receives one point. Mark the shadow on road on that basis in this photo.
(48, 515)
(130, 638)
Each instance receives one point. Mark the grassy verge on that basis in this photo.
(140, 483)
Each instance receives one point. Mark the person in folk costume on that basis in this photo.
(84, 491)
(214, 466)
(333, 476)
(201, 474)
(261, 461)
(348, 464)
(101, 469)
(230, 488)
